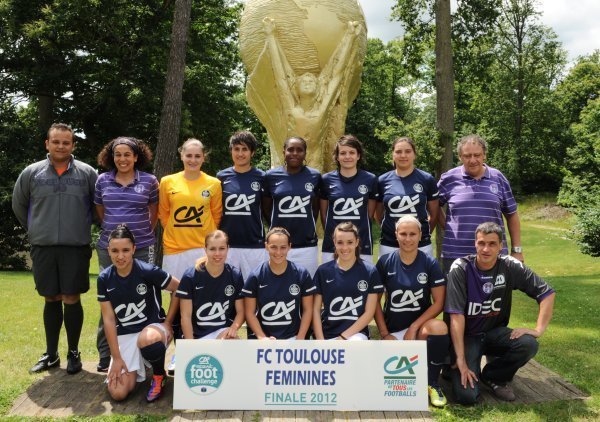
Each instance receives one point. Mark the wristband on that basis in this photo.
(384, 335)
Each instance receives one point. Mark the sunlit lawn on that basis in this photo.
(570, 346)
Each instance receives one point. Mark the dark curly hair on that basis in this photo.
(139, 148)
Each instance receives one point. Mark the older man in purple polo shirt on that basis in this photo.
(475, 193)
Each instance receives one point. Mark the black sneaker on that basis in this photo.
(73, 362)
(502, 391)
(46, 362)
(103, 364)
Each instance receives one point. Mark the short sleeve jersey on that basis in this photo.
(407, 287)
(188, 210)
(485, 297)
(345, 294)
(135, 299)
(242, 215)
(213, 298)
(127, 204)
(348, 200)
(293, 195)
(470, 203)
(279, 298)
(405, 196)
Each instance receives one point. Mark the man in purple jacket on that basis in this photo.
(478, 301)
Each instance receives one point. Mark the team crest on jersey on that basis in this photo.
(229, 290)
(294, 289)
(255, 186)
(418, 187)
(205, 193)
(363, 189)
(500, 281)
(422, 278)
(141, 289)
(309, 187)
(362, 285)
(494, 188)
(488, 287)
(139, 188)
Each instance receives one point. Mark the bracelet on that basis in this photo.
(384, 335)
(342, 336)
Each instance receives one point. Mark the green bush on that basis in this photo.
(587, 230)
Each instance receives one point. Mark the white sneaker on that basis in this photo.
(171, 367)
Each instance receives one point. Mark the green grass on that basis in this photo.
(569, 347)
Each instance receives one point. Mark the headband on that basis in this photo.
(126, 141)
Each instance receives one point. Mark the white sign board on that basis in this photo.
(292, 375)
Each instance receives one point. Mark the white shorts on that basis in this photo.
(355, 337)
(305, 257)
(384, 250)
(328, 256)
(176, 264)
(131, 354)
(400, 334)
(213, 335)
(247, 259)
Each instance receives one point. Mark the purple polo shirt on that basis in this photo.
(470, 203)
(128, 205)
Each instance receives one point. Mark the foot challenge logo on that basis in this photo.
(204, 374)
(400, 380)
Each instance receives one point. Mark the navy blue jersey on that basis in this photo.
(213, 298)
(136, 299)
(279, 298)
(405, 196)
(348, 199)
(293, 195)
(345, 294)
(407, 287)
(242, 214)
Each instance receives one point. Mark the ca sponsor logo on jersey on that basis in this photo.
(362, 189)
(294, 289)
(344, 308)
(141, 289)
(422, 278)
(494, 188)
(212, 313)
(405, 300)
(293, 206)
(229, 290)
(133, 313)
(188, 216)
(278, 313)
(239, 204)
(362, 285)
(309, 187)
(139, 188)
(255, 186)
(486, 307)
(403, 205)
(418, 187)
(347, 208)
(500, 281)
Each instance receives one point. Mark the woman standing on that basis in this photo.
(415, 293)
(243, 188)
(134, 337)
(292, 201)
(345, 280)
(209, 293)
(348, 194)
(189, 208)
(124, 195)
(406, 190)
(278, 294)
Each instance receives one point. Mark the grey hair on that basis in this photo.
(489, 228)
(471, 139)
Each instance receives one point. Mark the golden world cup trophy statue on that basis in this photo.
(304, 59)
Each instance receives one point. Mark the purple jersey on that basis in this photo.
(293, 196)
(127, 205)
(242, 215)
(136, 299)
(470, 203)
(405, 196)
(279, 298)
(407, 287)
(213, 298)
(348, 200)
(485, 297)
(345, 295)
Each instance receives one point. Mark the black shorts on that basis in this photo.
(61, 269)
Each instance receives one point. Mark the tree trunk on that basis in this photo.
(45, 113)
(444, 86)
(170, 119)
